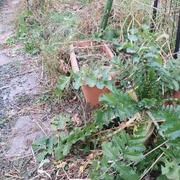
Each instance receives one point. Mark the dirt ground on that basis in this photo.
(23, 117)
(26, 112)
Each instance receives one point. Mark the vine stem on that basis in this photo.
(151, 166)
(123, 126)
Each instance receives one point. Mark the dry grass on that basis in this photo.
(83, 22)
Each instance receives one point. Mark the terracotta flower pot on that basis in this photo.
(91, 93)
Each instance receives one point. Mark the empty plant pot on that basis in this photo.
(91, 93)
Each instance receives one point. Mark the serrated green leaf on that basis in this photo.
(147, 103)
(137, 139)
(116, 44)
(109, 85)
(91, 81)
(77, 83)
(60, 120)
(52, 141)
(59, 153)
(124, 136)
(136, 147)
(63, 82)
(41, 156)
(108, 98)
(162, 177)
(171, 127)
(95, 73)
(132, 37)
(66, 149)
(130, 50)
(100, 84)
(150, 55)
(105, 74)
(136, 59)
(176, 85)
(40, 143)
(126, 172)
(171, 170)
(172, 133)
(124, 46)
(103, 117)
(63, 135)
(133, 156)
(145, 27)
(118, 142)
(159, 60)
(109, 35)
(122, 102)
(133, 31)
(107, 177)
(109, 151)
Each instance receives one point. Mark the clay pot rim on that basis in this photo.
(86, 44)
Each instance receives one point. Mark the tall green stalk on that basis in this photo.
(106, 14)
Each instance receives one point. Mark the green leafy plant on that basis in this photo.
(11, 40)
(135, 109)
(145, 73)
(145, 66)
(92, 79)
(141, 65)
(117, 154)
(61, 144)
(63, 83)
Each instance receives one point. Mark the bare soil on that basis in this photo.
(22, 117)
(26, 109)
